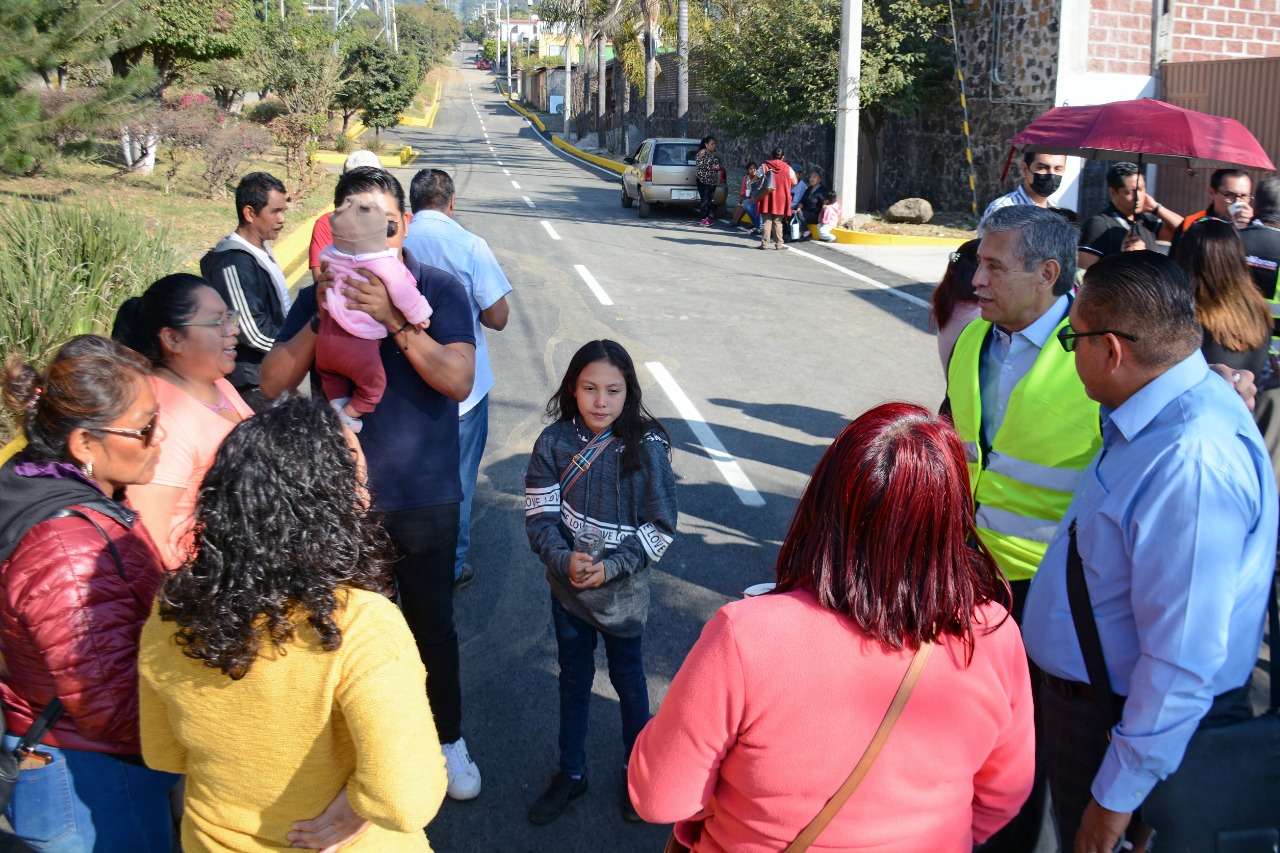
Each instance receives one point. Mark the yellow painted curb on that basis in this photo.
(530, 116)
(864, 238)
(356, 129)
(333, 158)
(411, 121)
(291, 250)
(435, 105)
(612, 165)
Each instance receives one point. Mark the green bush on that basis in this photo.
(65, 269)
(264, 112)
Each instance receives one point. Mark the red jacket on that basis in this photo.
(69, 626)
(778, 202)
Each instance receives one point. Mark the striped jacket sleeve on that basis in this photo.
(245, 288)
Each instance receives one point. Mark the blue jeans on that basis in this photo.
(576, 642)
(753, 210)
(473, 432)
(90, 801)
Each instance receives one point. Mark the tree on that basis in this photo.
(430, 33)
(474, 30)
(46, 38)
(769, 67)
(380, 84)
(181, 33)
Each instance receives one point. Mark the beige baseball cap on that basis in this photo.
(359, 228)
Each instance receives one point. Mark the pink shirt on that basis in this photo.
(830, 214)
(402, 287)
(193, 433)
(779, 698)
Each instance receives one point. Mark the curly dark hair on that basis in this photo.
(280, 526)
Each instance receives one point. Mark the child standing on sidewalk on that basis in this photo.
(830, 218)
(602, 467)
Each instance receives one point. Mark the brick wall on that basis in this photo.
(1120, 36)
(1120, 32)
(1225, 29)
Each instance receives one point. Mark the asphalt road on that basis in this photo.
(765, 357)
(774, 353)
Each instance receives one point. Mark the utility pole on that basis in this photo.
(682, 68)
(508, 48)
(568, 82)
(845, 179)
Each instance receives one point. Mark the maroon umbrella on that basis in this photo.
(1146, 130)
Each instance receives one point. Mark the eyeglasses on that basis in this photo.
(1232, 198)
(1067, 336)
(227, 323)
(147, 435)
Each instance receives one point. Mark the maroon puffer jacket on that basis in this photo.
(69, 626)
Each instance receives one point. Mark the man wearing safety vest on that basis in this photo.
(1028, 428)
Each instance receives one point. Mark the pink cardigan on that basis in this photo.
(777, 701)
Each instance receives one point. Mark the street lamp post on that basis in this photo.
(508, 48)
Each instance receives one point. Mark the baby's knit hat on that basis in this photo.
(359, 228)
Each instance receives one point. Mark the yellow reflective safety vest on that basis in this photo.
(1023, 480)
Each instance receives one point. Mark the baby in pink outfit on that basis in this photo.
(348, 348)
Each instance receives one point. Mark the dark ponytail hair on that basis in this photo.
(171, 300)
(89, 383)
(634, 421)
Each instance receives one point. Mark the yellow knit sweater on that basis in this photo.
(279, 744)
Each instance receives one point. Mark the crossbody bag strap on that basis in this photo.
(115, 555)
(42, 724)
(1087, 630)
(833, 806)
(1273, 628)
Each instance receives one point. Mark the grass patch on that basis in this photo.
(422, 101)
(195, 221)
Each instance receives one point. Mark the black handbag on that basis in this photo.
(1225, 795)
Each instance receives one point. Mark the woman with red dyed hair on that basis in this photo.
(782, 693)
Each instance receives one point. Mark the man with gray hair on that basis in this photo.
(1146, 614)
(1028, 427)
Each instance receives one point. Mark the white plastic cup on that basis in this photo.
(758, 589)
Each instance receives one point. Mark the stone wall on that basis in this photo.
(1008, 53)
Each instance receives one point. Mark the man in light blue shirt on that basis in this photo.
(435, 239)
(1176, 530)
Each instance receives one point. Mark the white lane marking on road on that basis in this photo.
(506, 171)
(593, 284)
(914, 300)
(729, 467)
(515, 184)
(486, 136)
(528, 201)
(499, 162)
(550, 230)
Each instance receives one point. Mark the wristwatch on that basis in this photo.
(315, 322)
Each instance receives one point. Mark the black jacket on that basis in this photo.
(246, 287)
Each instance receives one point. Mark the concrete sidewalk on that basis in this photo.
(919, 264)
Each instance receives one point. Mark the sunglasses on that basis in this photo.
(147, 435)
(1067, 337)
(227, 323)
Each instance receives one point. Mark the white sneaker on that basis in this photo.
(464, 776)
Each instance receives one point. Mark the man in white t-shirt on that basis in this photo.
(435, 239)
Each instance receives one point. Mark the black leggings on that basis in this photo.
(706, 192)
